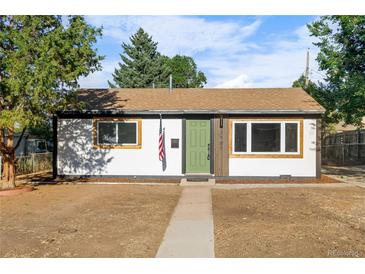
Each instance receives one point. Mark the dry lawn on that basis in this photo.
(86, 221)
(289, 222)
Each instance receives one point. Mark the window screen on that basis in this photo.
(240, 137)
(127, 133)
(107, 133)
(291, 137)
(265, 137)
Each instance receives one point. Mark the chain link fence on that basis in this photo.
(345, 148)
(34, 162)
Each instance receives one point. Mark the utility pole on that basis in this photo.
(307, 69)
(170, 83)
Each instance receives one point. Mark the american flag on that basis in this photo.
(161, 142)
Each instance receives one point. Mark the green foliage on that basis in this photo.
(342, 58)
(142, 65)
(323, 96)
(43, 130)
(11, 117)
(41, 60)
(184, 72)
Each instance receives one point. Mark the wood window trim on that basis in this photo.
(262, 155)
(113, 146)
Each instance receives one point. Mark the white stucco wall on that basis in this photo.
(76, 156)
(305, 166)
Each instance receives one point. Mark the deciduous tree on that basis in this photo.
(323, 96)
(341, 41)
(41, 61)
(185, 73)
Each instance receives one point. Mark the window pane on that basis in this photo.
(265, 137)
(127, 133)
(291, 137)
(240, 136)
(107, 133)
(41, 145)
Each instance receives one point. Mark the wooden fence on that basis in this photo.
(346, 148)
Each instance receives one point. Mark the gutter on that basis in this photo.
(174, 112)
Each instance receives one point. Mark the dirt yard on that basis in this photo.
(86, 221)
(289, 222)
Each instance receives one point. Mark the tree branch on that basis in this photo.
(19, 140)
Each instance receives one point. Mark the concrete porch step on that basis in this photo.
(187, 182)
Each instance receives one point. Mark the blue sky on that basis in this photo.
(232, 51)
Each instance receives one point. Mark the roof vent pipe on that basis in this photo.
(170, 83)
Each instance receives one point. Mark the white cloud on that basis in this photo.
(249, 30)
(100, 79)
(175, 35)
(223, 49)
(241, 81)
(179, 34)
(280, 63)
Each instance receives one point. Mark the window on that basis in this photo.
(240, 137)
(117, 133)
(107, 133)
(266, 138)
(127, 133)
(41, 146)
(291, 137)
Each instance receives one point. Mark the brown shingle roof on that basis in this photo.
(199, 100)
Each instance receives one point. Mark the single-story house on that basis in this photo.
(263, 132)
(29, 144)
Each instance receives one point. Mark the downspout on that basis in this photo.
(55, 146)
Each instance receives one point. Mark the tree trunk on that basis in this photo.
(9, 173)
(9, 163)
(12, 170)
(2, 143)
(5, 168)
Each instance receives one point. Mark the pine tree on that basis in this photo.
(142, 65)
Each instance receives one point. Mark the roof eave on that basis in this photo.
(151, 112)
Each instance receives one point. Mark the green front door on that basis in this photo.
(198, 146)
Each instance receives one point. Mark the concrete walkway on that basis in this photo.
(190, 233)
(354, 175)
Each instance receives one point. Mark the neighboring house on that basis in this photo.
(268, 132)
(342, 127)
(30, 144)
